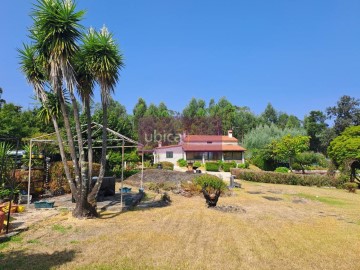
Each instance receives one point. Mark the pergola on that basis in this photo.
(122, 140)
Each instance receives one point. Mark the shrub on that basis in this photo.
(212, 166)
(351, 186)
(282, 170)
(245, 165)
(182, 162)
(287, 178)
(228, 165)
(166, 165)
(58, 179)
(211, 186)
(197, 164)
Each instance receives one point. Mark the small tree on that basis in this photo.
(344, 150)
(289, 146)
(211, 186)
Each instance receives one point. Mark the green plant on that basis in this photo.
(182, 162)
(351, 186)
(288, 178)
(226, 166)
(211, 187)
(60, 228)
(197, 164)
(282, 170)
(212, 166)
(244, 165)
(166, 165)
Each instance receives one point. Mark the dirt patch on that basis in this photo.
(229, 209)
(272, 198)
(255, 192)
(160, 176)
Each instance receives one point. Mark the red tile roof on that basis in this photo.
(212, 147)
(209, 138)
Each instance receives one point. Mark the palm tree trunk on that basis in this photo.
(70, 142)
(83, 208)
(89, 140)
(92, 198)
(63, 156)
(44, 99)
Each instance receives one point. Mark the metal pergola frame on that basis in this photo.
(121, 138)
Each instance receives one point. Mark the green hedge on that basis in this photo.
(287, 179)
(226, 166)
(182, 162)
(212, 166)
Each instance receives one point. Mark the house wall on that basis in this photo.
(160, 154)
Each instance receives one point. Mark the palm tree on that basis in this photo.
(56, 31)
(32, 66)
(85, 85)
(104, 60)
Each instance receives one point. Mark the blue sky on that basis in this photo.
(300, 55)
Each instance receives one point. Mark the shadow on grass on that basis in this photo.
(18, 260)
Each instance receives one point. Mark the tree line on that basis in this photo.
(254, 131)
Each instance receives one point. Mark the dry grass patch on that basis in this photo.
(312, 234)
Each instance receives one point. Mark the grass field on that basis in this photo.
(276, 227)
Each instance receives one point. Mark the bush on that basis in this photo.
(211, 186)
(166, 165)
(58, 179)
(288, 178)
(228, 165)
(282, 170)
(351, 186)
(197, 164)
(245, 165)
(210, 183)
(212, 166)
(182, 162)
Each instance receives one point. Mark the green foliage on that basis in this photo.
(289, 146)
(346, 146)
(212, 166)
(261, 136)
(346, 113)
(226, 166)
(351, 186)
(166, 165)
(245, 165)
(288, 178)
(315, 125)
(309, 160)
(182, 162)
(211, 183)
(197, 164)
(282, 170)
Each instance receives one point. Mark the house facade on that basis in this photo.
(202, 148)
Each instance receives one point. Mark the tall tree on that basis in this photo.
(2, 101)
(138, 113)
(346, 113)
(315, 125)
(104, 61)
(270, 115)
(56, 32)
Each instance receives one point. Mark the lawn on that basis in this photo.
(274, 227)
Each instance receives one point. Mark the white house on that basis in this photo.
(202, 148)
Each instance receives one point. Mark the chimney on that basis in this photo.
(159, 144)
(230, 133)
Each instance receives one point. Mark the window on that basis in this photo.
(169, 154)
